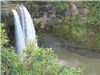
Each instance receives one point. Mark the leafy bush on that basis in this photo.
(3, 37)
(37, 61)
(92, 42)
(10, 63)
(63, 29)
(83, 27)
(71, 28)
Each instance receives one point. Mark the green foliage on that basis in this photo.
(36, 61)
(63, 30)
(71, 28)
(10, 62)
(92, 42)
(92, 23)
(61, 5)
(82, 27)
(76, 29)
(3, 37)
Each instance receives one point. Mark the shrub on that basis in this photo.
(71, 28)
(3, 37)
(37, 61)
(86, 32)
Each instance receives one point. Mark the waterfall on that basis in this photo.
(24, 29)
(29, 27)
(19, 37)
(22, 19)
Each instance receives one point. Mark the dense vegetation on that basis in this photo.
(77, 22)
(38, 61)
(83, 27)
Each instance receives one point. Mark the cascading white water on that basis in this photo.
(24, 29)
(29, 27)
(22, 19)
(19, 37)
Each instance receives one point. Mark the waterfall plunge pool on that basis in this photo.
(89, 65)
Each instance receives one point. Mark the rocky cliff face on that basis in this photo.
(43, 11)
(6, 7)
(46, 15)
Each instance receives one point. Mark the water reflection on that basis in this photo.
(90, 65)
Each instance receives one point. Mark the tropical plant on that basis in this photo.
(37, 61)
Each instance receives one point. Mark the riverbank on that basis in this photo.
(48, 39)
(87, 60)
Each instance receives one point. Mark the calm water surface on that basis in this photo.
(91, 66)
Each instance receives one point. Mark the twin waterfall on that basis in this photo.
(24, 29)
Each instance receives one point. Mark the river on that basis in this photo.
(89, 65)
